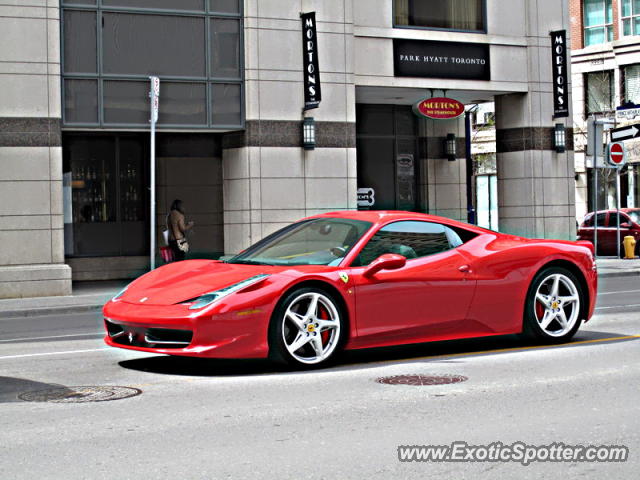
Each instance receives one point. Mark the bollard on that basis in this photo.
(629, 247)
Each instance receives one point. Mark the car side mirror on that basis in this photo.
(625, 225)
(388, 261)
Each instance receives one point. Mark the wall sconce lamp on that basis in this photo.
(559, 138)
(450, 147)
(309, 133)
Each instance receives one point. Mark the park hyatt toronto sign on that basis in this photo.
(312, 93)
(559, 68)
(426, 58)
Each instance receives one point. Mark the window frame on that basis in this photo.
(607, 26)
(628, 17)
(623, 81)
(612, 90)
(373, 235)
(419, 27)
(100, 77)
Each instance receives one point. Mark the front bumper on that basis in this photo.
(174, 330)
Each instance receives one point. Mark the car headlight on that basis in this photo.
(119, 294)
(210, 297)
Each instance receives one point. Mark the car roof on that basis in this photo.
(388, 216)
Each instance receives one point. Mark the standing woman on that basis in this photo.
(177, 230)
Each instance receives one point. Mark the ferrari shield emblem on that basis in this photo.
(344, 277)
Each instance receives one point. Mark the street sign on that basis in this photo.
(366, 197)
(155, 84)
(616, 155)
(625, 133)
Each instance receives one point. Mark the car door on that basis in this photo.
(585, 232)
(626, 229)
(426, 299)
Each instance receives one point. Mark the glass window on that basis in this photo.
(108, 196)
(598, 22)
(126, 102)
(80, 101)
(197, 56)
(630, 17)
(410, 239)
(224, 6)
(183, 104)
(631, 75)
(197, 5)
(321, 241)
(153, 45)
(226, 105)
(80, 41)
(180, 103)
(588, 221)
(613, 217)
(599, 92)
(444, 14)
(225, 47)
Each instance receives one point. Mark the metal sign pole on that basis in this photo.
(595, 204)
(618, 208)
(153, 95)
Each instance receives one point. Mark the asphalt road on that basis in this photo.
(247, 419)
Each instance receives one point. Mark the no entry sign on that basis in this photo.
(616, 154)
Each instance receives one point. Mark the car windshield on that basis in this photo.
(635, 216)
(319, 241)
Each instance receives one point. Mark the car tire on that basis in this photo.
(554, 306)
(307, 328)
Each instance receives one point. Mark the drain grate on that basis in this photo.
(83, 394)
(421, 380)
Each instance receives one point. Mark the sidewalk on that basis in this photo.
(615, 267)
(92, 295)
(85, 296)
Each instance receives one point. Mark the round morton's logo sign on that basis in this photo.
(439, 108)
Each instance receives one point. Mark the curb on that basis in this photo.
(619, 274)
(34, 312)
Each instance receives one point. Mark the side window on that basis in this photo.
(613, 217)
(588, 222)
(412, 239)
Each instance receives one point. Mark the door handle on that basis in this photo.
(464, 268)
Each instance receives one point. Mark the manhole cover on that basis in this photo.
(421, 380)
(82, 394)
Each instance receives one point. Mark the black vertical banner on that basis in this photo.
(312, 92)
(559, 73)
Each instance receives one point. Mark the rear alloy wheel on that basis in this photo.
(306, 328)
(553, 307)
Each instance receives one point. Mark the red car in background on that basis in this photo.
(348, 280)
(607, 229)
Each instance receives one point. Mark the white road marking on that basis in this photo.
(51, 336)
(623, 291)
(54, 353)
(618, 306)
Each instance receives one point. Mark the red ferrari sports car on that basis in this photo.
(348, 280)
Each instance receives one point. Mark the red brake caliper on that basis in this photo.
(539, 310)
(323, 314)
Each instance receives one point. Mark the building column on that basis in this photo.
(31, 207)
(443, 181)
(269, 181)
(536, 186)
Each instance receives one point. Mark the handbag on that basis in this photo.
(183, 245)
(167, 254)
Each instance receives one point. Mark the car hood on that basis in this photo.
(181, 281)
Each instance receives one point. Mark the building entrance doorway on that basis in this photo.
(386, 142)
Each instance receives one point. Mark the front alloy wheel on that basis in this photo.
(553, 305)
(306, 328)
